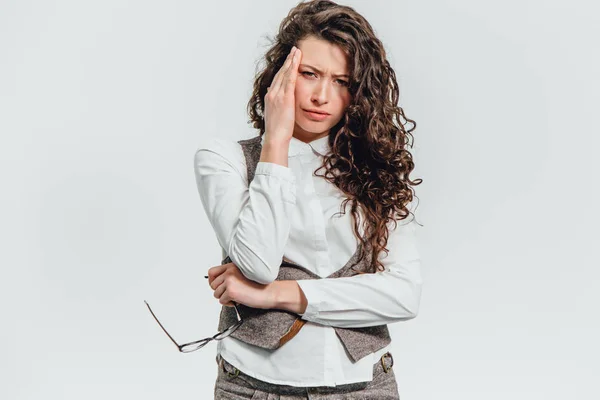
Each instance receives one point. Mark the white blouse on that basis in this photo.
(288, 212)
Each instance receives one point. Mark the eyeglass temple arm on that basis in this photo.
(180, 346)
(162, 327)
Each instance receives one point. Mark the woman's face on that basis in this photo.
(322, 85)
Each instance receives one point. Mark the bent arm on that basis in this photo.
(365, 300)
(251, 222)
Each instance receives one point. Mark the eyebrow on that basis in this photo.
(319, 71)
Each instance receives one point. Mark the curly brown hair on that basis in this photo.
(369, 161)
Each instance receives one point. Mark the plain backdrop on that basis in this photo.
(102, 107)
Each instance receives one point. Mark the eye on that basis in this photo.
(341, 81)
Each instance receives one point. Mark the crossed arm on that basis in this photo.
(252, 224)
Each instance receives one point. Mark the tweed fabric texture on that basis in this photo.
(270, 328)
(231, 383)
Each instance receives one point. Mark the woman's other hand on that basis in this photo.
(229, 284)
(279, 101)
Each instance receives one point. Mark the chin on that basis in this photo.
(314, 127)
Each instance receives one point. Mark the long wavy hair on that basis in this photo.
(369, 161)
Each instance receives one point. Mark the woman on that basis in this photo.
(327, 99)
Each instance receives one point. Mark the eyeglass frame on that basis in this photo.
(203, 342)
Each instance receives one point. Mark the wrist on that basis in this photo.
(282, 142)
(287, 295)
(275, 151)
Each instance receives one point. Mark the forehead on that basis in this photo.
(323, 55)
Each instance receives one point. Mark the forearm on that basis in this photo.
(259, 237)
(362, 300)
(251, 222)
(255, 253)
(371, 299)
(348, 302)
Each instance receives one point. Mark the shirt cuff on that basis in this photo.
(312, 296)
(281, 173)
(274, 169)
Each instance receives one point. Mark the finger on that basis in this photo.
(217, 282)
(225, 299)
(278, 76)
(216, 271)
(286, 70)
(292, 73)
(276, 84)
(219, 291)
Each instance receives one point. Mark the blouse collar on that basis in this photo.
(297, 147)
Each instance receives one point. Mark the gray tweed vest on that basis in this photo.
(272, 328)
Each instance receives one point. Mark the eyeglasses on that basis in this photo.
(193, 346)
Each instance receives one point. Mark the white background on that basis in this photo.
(103, 104)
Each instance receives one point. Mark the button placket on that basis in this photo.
(323, 264)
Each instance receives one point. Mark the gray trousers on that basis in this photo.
(232, 383)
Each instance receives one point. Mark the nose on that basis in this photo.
(320, 95)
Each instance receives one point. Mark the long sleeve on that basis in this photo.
(371, 299)
(251, 222)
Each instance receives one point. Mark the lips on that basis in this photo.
(317, 112)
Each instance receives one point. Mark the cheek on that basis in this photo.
(300, 90)
(343, 101)
(346, 98)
